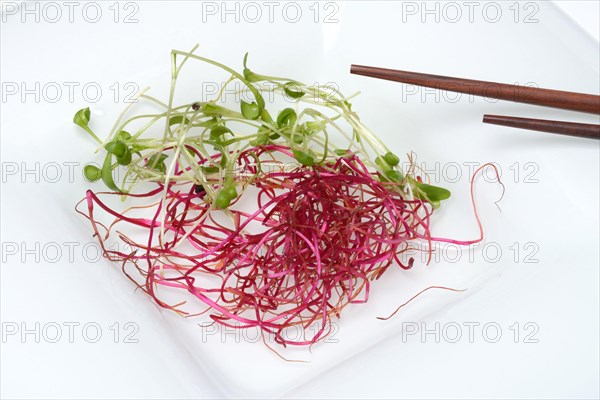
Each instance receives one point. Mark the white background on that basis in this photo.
(559, 294)
(585, 13)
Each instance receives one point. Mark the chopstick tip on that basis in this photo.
(490, 119)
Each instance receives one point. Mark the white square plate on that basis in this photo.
(547, 230)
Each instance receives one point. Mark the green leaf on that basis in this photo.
(260, 140)
(92, 173)
(178, 119)
(157, 158)
(223, 200)
(292, 90)
(434, 193)
(106, 173)
(82, 119)
(218, 131)
(251, 76)
(391, 158)
(259, 99)
(125, 159)
(123, 136)
(117, 148)
(395, 175)
(207, 124)
(225, 196)
(250, 110)
(265, 134)
(136, 147)
(287, 117)
(231, 191)
(382, 164)
(298, 139)
(212, 109)
(304, 158)
(211, 169)
(157, 162)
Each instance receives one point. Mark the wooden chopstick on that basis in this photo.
(562, 127)
(587, 103)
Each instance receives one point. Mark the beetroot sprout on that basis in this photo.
(279, 226)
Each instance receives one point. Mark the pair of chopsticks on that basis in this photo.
(587, 103)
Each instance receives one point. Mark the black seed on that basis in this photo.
(199, 189)
(195, 106)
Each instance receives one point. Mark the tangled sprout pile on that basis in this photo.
(255, 217)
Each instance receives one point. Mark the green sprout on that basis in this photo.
(148, 146)
(82, 118)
